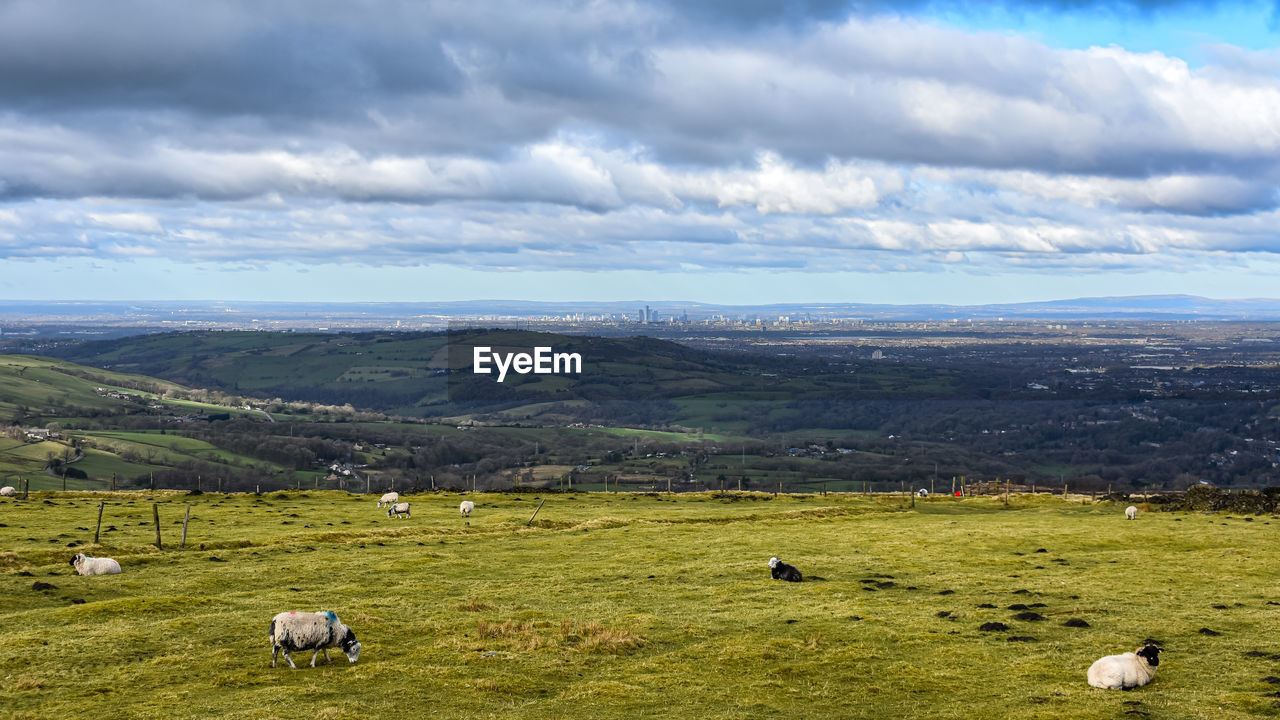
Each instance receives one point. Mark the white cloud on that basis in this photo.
(129, 222)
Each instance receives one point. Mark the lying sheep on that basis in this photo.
(1131, 513)
(399, 509)
(782, 571)
(86, 565)
(1127, 671)
(319, 631)
(390, 498)
(7, 491)
(466, 507)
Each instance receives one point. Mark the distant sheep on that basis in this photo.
(466, 507)
(86, 565)
(398, 510)
(922, 493)
(1127, 671)
(390, 498)
(782, 571)
(319, 631)
(7, 491)
(1131, 513)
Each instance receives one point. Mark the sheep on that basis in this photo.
(1131, 513)
(317, 631)
(398, 509)
(390, 498)
(782, 571)
(86, 565)
(922, 493)
(7, 491)
(466, 507)
(1127, 671)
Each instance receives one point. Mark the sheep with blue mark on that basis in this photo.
(318, 631)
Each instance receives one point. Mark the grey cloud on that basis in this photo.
(214, 58)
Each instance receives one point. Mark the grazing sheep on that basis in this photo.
(8, 491)
(1131, 513)
(86, 565)
(466, 507)
(399, 509)
(782, 571)
(1127, 671)
(317, 631)
(390, 498)
(922, 493)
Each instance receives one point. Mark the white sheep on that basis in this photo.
(7, 491)
(398, 509)
(466, 507)
(1131, 513)
(319, 631)
(390, 498)
(1127, 671)
(86, 565)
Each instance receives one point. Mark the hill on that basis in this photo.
(635, 380)
(71, 426)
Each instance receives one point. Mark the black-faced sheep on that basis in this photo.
(86, 565)
(398, 510)
(390, 498)
(1131, 513)
(782, 571)
(7, 491)
(466, 507)
(318, 631)
(1126, 671)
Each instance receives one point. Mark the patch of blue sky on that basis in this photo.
(1180, 32)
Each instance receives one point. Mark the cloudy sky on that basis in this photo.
(725, 151)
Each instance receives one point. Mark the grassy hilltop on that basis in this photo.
(628, 605)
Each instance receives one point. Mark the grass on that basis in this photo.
(621, 606)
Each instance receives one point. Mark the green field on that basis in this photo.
(624, 606)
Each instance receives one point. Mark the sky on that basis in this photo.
(729, 151)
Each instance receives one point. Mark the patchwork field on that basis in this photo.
(625, 605)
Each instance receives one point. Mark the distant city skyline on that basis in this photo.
(893, 151)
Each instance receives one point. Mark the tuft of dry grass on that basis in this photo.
(27, 682)
(594, 636)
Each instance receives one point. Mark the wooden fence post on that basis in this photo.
(155, 510)
(101, 505)
(535, 511)
(185, 519)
